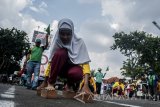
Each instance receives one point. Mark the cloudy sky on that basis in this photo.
(95, 21)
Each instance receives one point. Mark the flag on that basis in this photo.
(48, 30)
(107, 68)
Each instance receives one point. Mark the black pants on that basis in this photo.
(153, 91)
(98, 85)
(131, 94)
(91, 88)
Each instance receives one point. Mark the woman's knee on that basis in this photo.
(75, 73)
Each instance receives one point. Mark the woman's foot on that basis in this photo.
(43, 85)
(50, 87)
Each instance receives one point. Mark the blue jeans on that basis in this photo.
(33, 67)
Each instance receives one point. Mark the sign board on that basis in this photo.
(39, 35)
(44, 62)
(42, 37)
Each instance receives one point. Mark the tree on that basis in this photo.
(151, 53)
(13, 43)
(140, 48)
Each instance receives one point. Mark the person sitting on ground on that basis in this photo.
(132, 90)
(69, 57)
(118, 88)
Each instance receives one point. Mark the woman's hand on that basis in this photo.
(87, 90)
(86, 87)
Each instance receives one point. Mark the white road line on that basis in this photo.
(7, 96)
(122, 104)
(10, 93)
(4, 103)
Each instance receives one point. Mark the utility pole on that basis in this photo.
(155, 23)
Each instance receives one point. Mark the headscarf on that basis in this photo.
(77, 50)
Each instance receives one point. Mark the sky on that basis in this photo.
(96, 21)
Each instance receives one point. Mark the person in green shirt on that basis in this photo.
(152, 82)
(33, 62)
(99, 75)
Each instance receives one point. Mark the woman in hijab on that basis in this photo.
(68, 57)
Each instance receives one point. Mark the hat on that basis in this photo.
(99, 69)
(38, 40)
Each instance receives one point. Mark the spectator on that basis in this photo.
(33, 62)
(132, 90)
(152, 80)
(4, 78)
(158, 88)
(99, 75)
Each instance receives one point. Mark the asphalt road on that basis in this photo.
(18, 96)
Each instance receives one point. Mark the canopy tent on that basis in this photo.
(110, 80)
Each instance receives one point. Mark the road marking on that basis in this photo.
(122, 104)
(4, 103)
(7, 96)
(10, 93)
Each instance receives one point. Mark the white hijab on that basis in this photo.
(77, 50)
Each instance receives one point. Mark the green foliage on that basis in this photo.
(141, 49)
(13, 43)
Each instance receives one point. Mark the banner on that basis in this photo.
(42, 37)
(39, 35)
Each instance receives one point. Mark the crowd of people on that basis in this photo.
(144, 88)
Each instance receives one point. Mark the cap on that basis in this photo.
(38, 40)
(99, 69)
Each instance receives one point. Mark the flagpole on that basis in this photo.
(38, 29)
